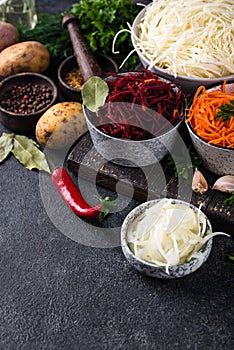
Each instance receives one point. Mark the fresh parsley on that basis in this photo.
(181, 168)
(229, 257)
(226, 111)
(230, 200)
(101, 20)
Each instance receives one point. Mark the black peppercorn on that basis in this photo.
(26, 99)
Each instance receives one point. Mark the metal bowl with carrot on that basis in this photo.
(136, 117)
(210, 122)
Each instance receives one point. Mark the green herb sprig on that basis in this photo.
(230, 200)
(226, 111)
(101, 20)
(49, 32)
(181, 168)
(229, 257)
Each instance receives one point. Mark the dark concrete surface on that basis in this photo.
(56, 294)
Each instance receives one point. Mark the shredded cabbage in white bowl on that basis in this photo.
(167, 233)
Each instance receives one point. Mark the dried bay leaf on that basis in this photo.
(6, 145)
(27, 152)
(94, 93)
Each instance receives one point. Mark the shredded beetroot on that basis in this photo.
(151, 104)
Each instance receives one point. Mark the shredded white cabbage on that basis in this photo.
(169, 233)
(188, 38)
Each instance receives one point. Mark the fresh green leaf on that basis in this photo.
(230, 200)
(94, 93)
(27, 152)
(101, 20)
(229, 257)
(226, 111)
(181, 167)
(6, 145)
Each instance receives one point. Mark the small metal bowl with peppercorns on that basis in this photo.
(24, 97)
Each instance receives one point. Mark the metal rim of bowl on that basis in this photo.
(124, 243)
(129, 140)
(32, 74)
(204, 141)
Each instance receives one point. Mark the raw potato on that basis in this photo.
(61, 125)
(9, 35)
(26, 56)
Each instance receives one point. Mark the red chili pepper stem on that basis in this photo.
(73, 198)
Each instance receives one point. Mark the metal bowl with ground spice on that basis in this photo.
(71, 81)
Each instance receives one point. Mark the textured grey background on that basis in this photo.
(58, 295)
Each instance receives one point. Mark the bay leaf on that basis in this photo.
(28, 153)
(94, 93)
(6, 145)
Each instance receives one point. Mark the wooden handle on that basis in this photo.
(85, 58)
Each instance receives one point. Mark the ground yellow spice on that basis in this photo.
(74, 79)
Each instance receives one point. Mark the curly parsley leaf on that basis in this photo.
(230, 200)
(181, 168)
(226, 111)
(100, 21)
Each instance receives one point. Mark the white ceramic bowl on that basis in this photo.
(217, 159)
(154, 270)
(188, 84)
(132, 153)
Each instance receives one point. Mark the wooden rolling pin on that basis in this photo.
(85, 58)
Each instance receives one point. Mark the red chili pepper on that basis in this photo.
(72, 196)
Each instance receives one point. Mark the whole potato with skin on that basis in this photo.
(26, 56)
(9, 35)
(61, 125)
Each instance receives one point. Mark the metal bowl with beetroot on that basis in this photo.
(139, 121)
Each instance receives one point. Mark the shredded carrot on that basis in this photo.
(203, 120)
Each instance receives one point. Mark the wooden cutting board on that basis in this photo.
(109, 174)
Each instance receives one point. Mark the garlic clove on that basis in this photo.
(224, 184)
(199, 184)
